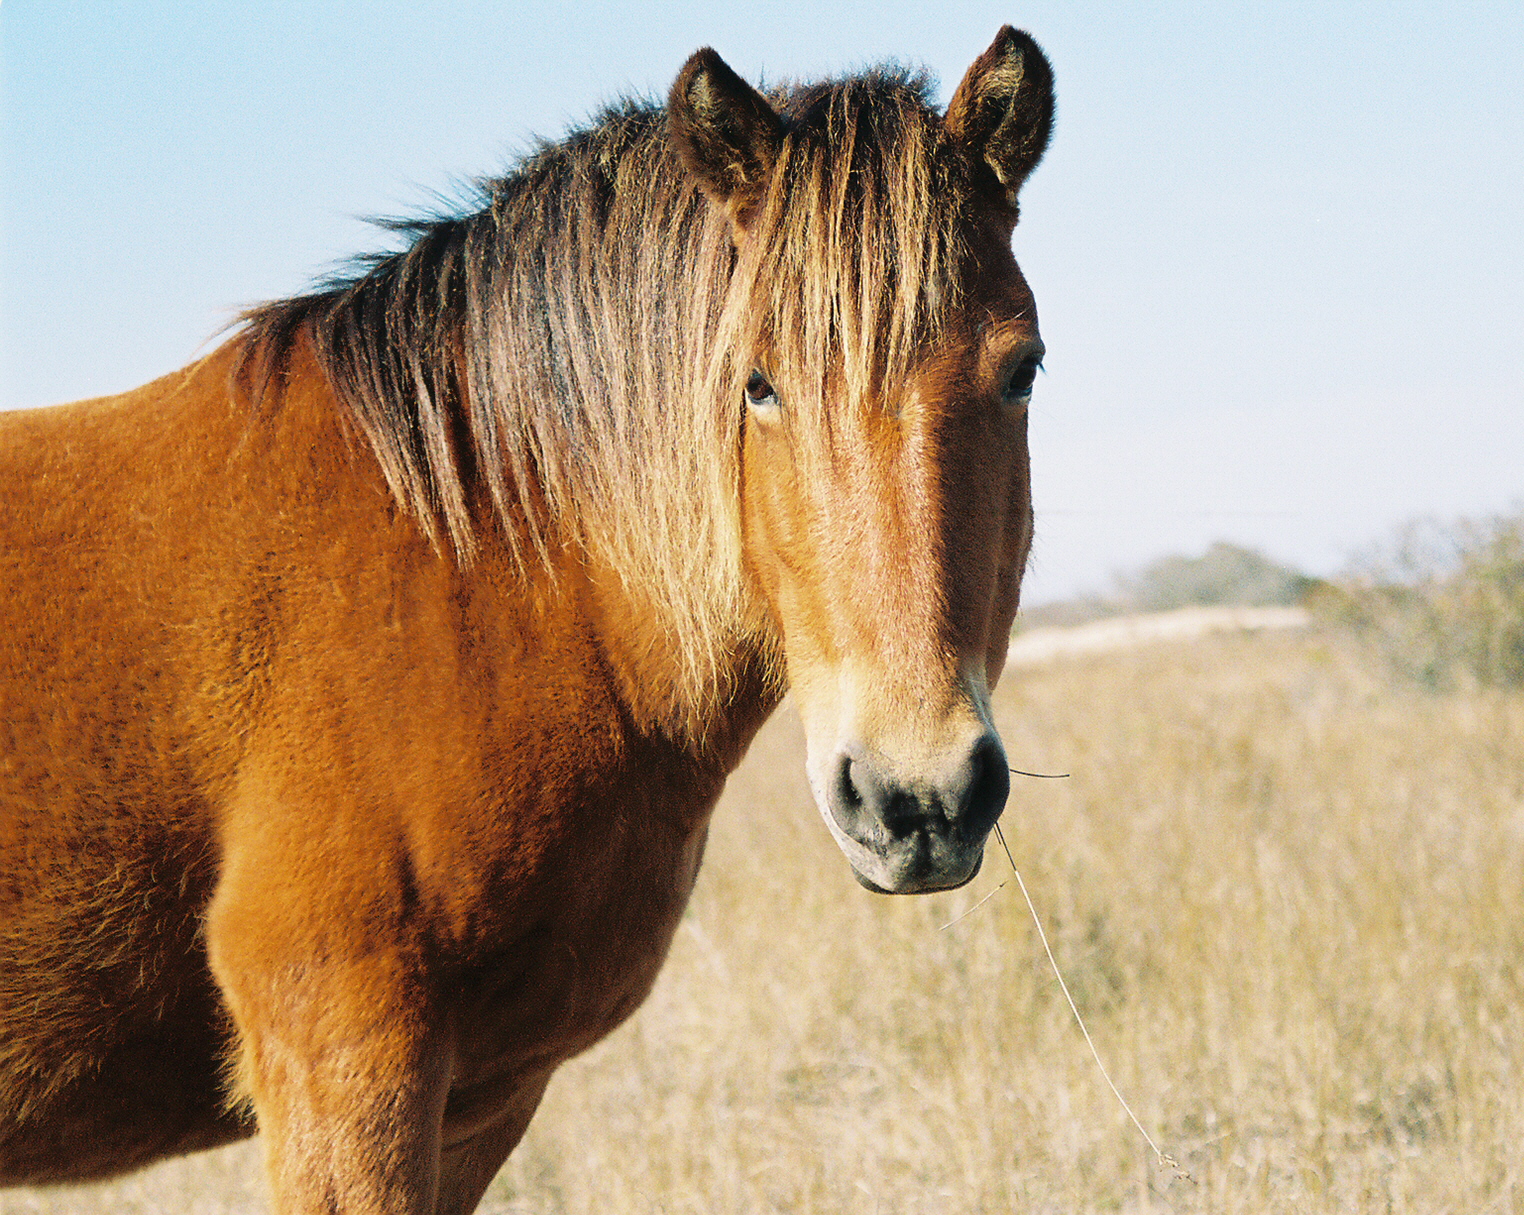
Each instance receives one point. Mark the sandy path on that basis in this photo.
(1037, 646)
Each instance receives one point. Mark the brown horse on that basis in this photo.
(366, 686)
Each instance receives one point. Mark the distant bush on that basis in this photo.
(1443, 602)
(1225, 575)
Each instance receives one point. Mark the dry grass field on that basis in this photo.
(1286, 889)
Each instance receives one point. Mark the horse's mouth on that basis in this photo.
(868, 884)
(921, 886)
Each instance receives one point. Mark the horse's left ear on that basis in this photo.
(725, 132)
(1002, 113)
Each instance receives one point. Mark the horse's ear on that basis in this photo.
(726, 134)
(1002, 113)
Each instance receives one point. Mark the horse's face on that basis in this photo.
(891, 553)
(887, 520)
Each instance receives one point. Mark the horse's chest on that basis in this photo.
(606, 913)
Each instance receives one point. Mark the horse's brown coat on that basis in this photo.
(353, 775)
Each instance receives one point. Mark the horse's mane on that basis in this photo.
(573, 351)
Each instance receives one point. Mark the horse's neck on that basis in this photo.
(698, 674)
(709, 695)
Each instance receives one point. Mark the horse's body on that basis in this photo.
(352, 737)
(365, 687)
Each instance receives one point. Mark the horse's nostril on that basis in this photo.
(866, 800)
(988, 786)
(847, 792)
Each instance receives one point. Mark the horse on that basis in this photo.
(366, 685)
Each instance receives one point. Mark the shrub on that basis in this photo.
(1443, 602)
(1225, 575)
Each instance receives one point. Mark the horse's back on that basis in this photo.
(107, 780)
(104, 555)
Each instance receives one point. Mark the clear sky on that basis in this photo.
(1278, 248)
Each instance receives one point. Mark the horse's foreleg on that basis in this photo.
(347, 1072)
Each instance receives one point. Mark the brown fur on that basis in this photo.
(365, 687)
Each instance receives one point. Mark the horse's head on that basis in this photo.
(882, 352)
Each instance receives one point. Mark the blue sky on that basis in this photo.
(1277, 249)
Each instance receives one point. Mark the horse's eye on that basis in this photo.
(760, 394)
(1018, 387)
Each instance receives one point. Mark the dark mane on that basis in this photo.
(399, 335)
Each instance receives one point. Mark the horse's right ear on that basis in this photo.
(726, 134)
(1002, 113)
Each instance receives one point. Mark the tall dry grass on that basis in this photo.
(1287, 893)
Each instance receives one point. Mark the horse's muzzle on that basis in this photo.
(913, 837)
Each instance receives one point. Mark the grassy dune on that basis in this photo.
(1287, 893)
